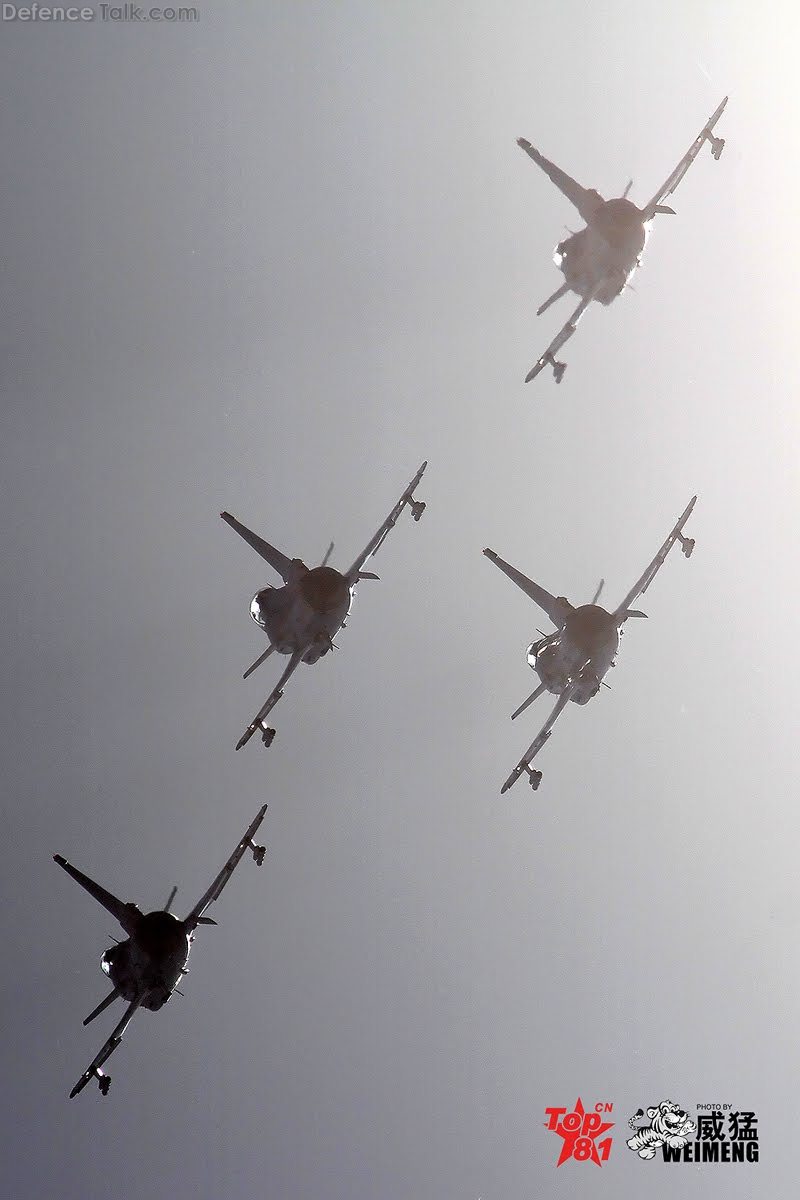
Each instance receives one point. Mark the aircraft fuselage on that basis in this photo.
(150, 963)
(309, 611)
(599, 260)
(584, 649)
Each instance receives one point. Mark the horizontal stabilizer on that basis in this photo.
(586, 200)
(556, 607)
(286, 567)
(128, 915)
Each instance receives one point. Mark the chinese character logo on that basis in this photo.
(739, 1143)
(665, 1125)
(717, 1136)
(742, 1127)
(580, 1130)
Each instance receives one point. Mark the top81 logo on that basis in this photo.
(580, 1131)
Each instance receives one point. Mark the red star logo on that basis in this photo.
(571, 1136)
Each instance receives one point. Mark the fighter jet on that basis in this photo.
(597, 262)
(572, 662)
(302, 618)
(147, 966)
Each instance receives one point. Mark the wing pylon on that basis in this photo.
(548, 359)
(195, 917)
(268, 705)
(376, 541)
(674, 178)
(676, 534)
(108, 1048)
(524, 764)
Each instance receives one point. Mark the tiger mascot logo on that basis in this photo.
(666, 1124)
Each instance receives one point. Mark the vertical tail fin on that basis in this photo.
(261, 658)
(102, 1006)
(533, 696)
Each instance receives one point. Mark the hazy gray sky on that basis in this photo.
(269, 262)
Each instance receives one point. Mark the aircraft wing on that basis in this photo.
(643, 583)
(126, 914)
(375, 542)
(273, 698)
(279, 562)
(671, 182)
(214, 892)
(108, 1048)
(556, 607)
(562, 337)
(535, 746)
(586, 200)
